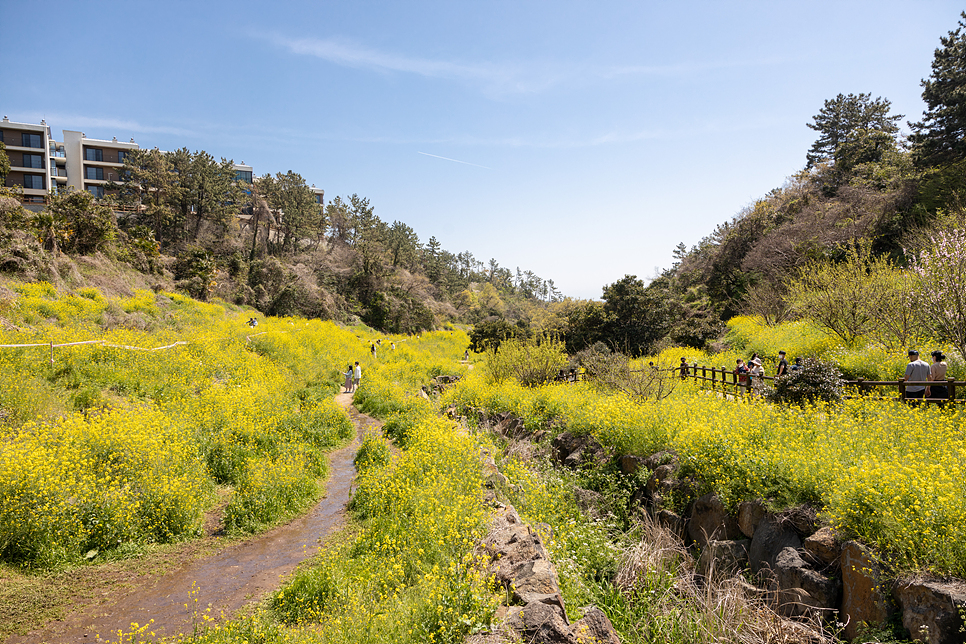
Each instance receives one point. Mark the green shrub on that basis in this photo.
(816, 380)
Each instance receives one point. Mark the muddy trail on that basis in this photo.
(235, 576)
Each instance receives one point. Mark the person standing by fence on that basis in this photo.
(741, 373)
(684, 368)
(937, 373)
(757, 376)
(782, 365)
(916, 371)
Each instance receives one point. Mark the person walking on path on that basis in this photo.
(356, 376)
(916, 371)
(937, 373)
(348, 379)
(782, 365)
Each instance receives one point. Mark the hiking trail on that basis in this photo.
(237, 575)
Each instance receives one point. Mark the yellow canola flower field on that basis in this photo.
(888, 474)
(406, 569)
(110, 445)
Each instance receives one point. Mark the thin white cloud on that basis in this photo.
(436, 156)
(493, 78)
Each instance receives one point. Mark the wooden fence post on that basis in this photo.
(51, 353)
(902, 388)
(952, 389)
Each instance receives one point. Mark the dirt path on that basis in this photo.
(238, 575)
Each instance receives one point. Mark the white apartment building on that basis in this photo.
(41, 165)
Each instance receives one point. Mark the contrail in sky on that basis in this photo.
(454, 160)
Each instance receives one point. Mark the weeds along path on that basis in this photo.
(226, 581)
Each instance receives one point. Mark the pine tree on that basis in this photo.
(940, 137)
(846, 118)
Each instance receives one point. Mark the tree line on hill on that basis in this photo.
(185, 217)
(867, 240)
(868, 231)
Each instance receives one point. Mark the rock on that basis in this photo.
(509, 547)
(658, 459)
(661, 482)
(771, 537)
(802, 590)
(539, 623)
(630, 464)
(672, 522)
(864, 600)
(723, 558)
(750, 514)
(931, 609)
(494, 480)
(823, 546)
(511, 427)
(535, 580)
(594, 628)
(710, 521)
(573, 450)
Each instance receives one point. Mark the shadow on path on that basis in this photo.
(240, 574)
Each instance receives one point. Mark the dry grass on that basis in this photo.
(718, 608)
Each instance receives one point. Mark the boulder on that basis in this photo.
(594, 628)
(660, 483)
(932, 610)
(672, 522)
(511, 427)
(573, 450)
(723, 558)
(865, 601)
(710, 521)
(771, 537)
(539, 623)
(750, 514)
(823, 547)
(535, 580)
(630, 464)
(802, 590)
(658, 459)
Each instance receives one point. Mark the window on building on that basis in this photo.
(243, 175)
(33, 161)
(97, 191)
(94, 174)
(29, 140)
(120, 156)
(34, 181)
(93, 154)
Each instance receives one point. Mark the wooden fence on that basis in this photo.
(725, 380)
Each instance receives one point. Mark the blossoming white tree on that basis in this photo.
(940, 272)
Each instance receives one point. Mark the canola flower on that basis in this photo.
(108, 445)
(405, 570)
(888, 474)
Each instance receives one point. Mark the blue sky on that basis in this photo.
(580, 140)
